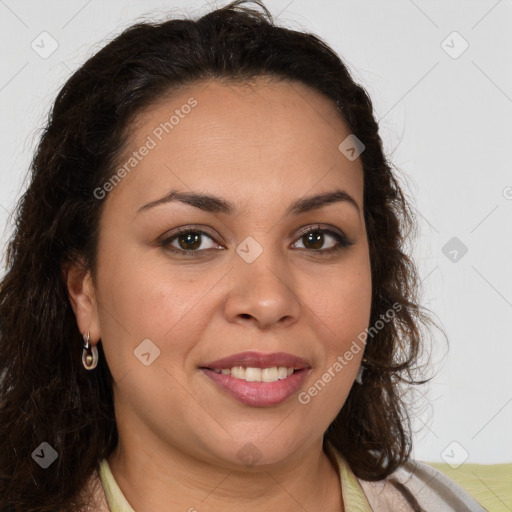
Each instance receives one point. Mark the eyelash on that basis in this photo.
(342, 241)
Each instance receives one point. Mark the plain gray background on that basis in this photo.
(440, 76)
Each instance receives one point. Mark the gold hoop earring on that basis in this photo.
(360, 373)
(89, 354)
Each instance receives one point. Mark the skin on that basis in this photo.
(262, 147)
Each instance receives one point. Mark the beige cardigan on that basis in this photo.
(432, 491)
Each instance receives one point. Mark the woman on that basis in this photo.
(207, 303)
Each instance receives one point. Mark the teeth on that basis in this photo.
(270, 374)
(238, 372)
(251, 374)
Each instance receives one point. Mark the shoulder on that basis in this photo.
(418, 487)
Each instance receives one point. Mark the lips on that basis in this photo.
(258, 394)
(257, 360)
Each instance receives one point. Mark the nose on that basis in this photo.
(262, 293)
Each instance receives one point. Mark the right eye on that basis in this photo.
(186, 242)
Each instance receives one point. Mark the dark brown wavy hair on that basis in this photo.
(46, 395)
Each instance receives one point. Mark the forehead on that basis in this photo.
(257, 141)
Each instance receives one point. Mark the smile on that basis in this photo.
(252, 374)
(257, 393)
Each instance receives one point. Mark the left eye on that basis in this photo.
(316, 237)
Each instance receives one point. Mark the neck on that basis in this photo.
(153, 479)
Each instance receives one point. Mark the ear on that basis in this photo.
(82, 297)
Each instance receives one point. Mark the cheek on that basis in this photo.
(348, 312)
(140, 300)
(343, 314)
(342, 307)
(341, 299)
(143, 296)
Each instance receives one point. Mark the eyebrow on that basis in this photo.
(214, 204)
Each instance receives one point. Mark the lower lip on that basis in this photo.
(259, 394)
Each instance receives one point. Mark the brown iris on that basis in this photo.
(314, 237)
(191, 241)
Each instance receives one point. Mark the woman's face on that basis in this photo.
(168, 305)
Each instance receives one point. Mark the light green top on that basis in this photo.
(491, 485)
(353, 496)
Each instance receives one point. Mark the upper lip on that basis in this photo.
(258, 360)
